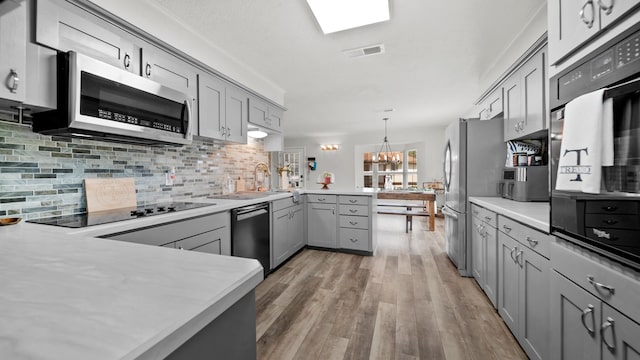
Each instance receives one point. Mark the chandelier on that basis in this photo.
(385, 155)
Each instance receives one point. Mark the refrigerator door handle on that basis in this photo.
(447, 212)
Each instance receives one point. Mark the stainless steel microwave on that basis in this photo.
(102, 102)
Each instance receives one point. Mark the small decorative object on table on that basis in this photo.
(325, 179)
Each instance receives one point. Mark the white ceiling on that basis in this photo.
(436, 54)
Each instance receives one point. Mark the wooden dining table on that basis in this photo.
(429, 197)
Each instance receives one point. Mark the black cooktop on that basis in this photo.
(104, 217)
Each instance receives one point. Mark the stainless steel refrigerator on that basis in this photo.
(474, 157)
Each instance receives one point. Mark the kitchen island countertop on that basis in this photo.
(73, 297)
(534, 214)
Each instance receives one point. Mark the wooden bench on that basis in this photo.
(409, 213)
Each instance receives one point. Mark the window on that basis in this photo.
(403, 174)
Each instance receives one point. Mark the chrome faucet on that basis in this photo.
(265, 169)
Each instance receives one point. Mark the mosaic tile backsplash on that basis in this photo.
(42, 176)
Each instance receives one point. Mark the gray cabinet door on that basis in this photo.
(490, 278)
(620, 336)
(321, 225)
(512, 107)
(236, 114)
(63, 26)
(280, 239)
(296, 228)
(618, 8)
(13, 40)
(533, 95)
(258, 112)
(509, 281)
(211, 105)
(568, 29)
(534, 304)
(574, 317)
(275, 118)
(477, 249)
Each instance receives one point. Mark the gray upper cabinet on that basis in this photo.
(13, 37)
(63, 26)
(571, 23)
(265, 115)
(492, 106)
(212, 115)
(525, 98)
(237, 114)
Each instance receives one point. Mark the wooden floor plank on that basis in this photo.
(405, 302)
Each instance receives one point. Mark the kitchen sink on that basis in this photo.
(244, 195)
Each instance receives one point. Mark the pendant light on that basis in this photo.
(385, 155)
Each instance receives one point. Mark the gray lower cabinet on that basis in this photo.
(594, 306)
(207, 233)
(484, 253)
(287, 230)
(222, 112)
(355, 219)
(13, 37)
(523, 293)
(322, 220)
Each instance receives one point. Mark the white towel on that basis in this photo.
(587, 143)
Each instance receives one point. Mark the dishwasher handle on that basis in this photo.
(450, 213)
(251, 211)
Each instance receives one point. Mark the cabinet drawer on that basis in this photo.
(354, 222)
(593, 273)
(282, 204)
(354, 239)
(354, 200)
(202, 242)
(177, 230)
(359, 210)
(484, 215)
(611, 207)
(320, 198)
(612, 221)
(531, 238)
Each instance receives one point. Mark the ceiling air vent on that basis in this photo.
(364, 51)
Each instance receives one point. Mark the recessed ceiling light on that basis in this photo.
(338, 15)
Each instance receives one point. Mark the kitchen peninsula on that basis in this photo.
(77, 297)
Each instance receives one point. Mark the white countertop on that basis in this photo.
(74, 297)
(66, 294)
(534, 214)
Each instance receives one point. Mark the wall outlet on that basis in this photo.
(169, 176)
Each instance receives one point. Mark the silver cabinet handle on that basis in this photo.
(588, 22)
(488, 218)
(333, 211)
(518, 258)
(353, 222)
(353, 201)
(353, 240)
(12, 81)
(598, 286)
(607, 8)
(585, 312)
(321, 199)
(224, 131)
(521, 125)
(533, 242)
(353, 211)
(517, 127)
(147, 70)
(180, 248)
(506, 228)
(606, 325)
(515, 248)
(127, 61)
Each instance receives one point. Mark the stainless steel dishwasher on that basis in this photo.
(250, 234)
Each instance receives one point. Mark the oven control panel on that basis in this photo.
(612, 63)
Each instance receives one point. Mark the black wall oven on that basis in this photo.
(609, 222)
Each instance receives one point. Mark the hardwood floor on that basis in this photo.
(406, 302)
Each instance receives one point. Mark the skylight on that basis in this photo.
(338, 15)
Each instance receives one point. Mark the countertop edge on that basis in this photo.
(507, 208)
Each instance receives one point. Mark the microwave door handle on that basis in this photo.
(187, 107)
